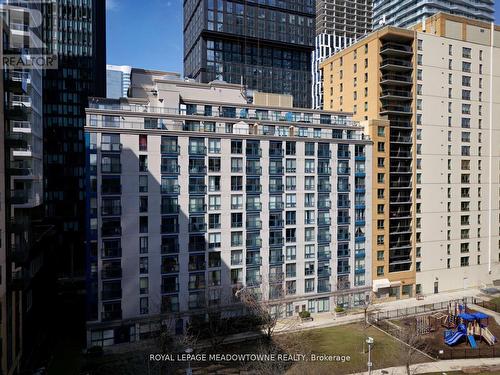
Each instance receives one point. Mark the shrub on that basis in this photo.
(305, 314)
(339, 309)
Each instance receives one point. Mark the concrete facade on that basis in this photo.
(272, 199)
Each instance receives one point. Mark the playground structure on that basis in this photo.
(469, 326)
(426, 324)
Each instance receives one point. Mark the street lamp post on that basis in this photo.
(369, 341)
(189, 371)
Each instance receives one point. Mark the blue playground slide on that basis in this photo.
(472, 342)
(454, 338)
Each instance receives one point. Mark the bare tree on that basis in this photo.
(415, 344)
(267, 302)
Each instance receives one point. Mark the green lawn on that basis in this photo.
(496, 300)
(345, 340)
(349, 340)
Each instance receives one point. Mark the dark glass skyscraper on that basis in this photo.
(75, 31)
(263, 44)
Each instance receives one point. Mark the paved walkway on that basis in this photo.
(484, 364)
(328, 319)
(493, 314)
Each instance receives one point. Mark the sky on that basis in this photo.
(148, 33)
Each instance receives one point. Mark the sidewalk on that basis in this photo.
(328, 319)
(485, 364)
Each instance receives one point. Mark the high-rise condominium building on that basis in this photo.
(429, 97)
(338, 25)
(407, 13)
(22, 252)
(75, 31)
(117, 81)
(264, 45)
(194, 194)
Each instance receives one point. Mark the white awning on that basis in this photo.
(381, 284)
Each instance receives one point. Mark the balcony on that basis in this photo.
(360, 222)
(19, 253)
(393, 108)
(236, 169)
(401, 139)
(396, 64)
(197, 169)
(324, 272)
(111, 230)
(324, 188)
(19, 112)
(359, 271)
(276, 224)
(197, 208)
(169, 228)
(111, 273)
(111, 168)
(276, 205)
(197, 227)
(20, 279)
(396, 49)
(254, 280)
(343, 171)
(170, 287)
(397, 79)
(252, 189)
(276, 241)
(170, 169)
(276, 170)
(254, 261)
(324, 221)
(324, 237)
(343, 154)
(256, 171)
(324, 154)
(324, 205)
(360, 254)
(254, 206)
(171, 149)
(197, 189)
(197, 150)
(343, 220)
(324, 288)
(276, 188)
(253, 152)
(360, 188)
(396, 94)
(254, 242)
(359, 204)
(276, 259)
(343, 270)
(111, 294)
(344, 188)
(111, 211)
(360, 238)
(324, 255)
(344, 204)
(360, 157)
(255, 224)
(324, 170)
(276, 152)
(17, 141)
(170, 248)
(108, 316)
(172, 189)
(343, 237)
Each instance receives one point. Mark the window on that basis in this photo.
(143, 245)
(380, 270)
(143, 224)
(143, 163)
(214, 146)
(143, 142)
(214, 240)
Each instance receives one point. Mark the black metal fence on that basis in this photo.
(468, 353)
(487, 304)
(415, 310)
